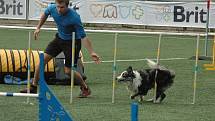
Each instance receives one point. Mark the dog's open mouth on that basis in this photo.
(120, 79)
(123, 79)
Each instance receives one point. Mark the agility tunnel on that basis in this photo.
(14, 62)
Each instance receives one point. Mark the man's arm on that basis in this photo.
(88, 45)
(40, 24)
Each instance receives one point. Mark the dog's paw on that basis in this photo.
(140, 100)
(132, 97)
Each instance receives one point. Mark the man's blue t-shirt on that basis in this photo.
(66, 24)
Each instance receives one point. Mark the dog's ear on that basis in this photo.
(129, 69)
(130, 72)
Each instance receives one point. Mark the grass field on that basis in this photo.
(176, 107)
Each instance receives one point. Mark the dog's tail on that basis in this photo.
(154, 65)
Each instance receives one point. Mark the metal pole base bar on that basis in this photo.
(9, 94)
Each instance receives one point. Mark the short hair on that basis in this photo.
(63, 1)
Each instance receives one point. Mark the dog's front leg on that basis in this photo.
(134, 95)
(141, 98)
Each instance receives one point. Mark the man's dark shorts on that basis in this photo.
(57, 45)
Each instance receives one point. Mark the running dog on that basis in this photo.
(139, 82)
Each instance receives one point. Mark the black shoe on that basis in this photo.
(33, 89)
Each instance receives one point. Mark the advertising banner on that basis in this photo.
(13, 9)
(175, 14)
(37, 7)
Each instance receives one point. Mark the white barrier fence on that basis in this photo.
(115, 31)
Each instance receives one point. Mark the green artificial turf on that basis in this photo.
(98, 107)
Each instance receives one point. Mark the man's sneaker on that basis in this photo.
(84, 92)
(33, 89)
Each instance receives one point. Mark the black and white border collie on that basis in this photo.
(141, 81)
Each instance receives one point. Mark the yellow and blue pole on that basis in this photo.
(29, 64)
(73, 67)
(196, 70)
(156, 73)
(114, 67)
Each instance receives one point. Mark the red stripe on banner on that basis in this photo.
(209, 2)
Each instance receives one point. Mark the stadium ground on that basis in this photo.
(176, 107)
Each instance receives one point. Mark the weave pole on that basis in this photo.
(72, 67)
(29, 65)
(196, 70)
(156, 72)
(114, 67)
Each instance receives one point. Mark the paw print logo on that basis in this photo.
(138, 12)
(55, 116)
(167, 13)
(164, 13)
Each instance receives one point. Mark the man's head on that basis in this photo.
(62, 6)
